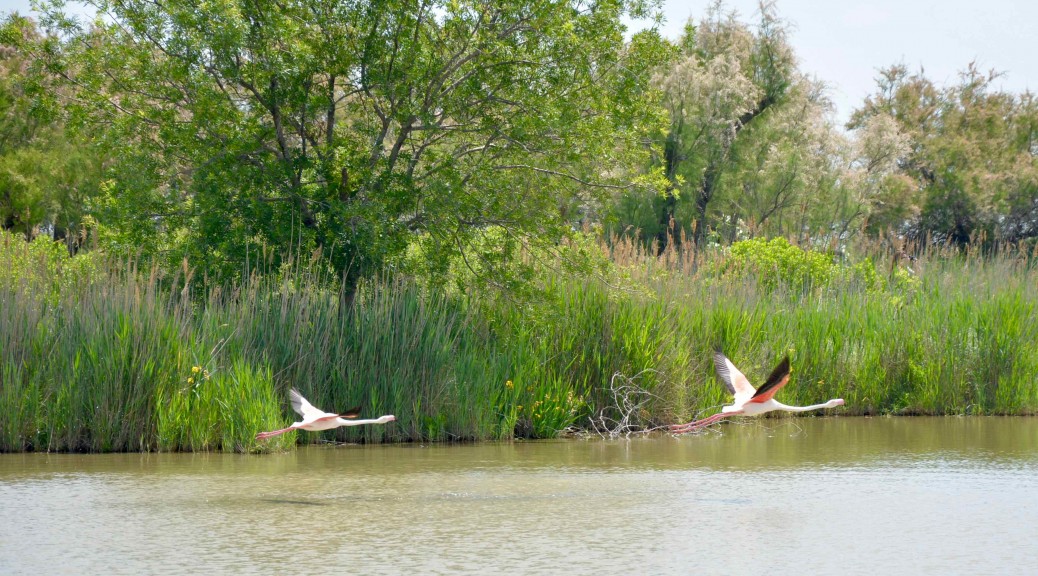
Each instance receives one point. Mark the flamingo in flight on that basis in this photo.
(750, 401)
(316, 420)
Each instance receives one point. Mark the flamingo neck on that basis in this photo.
(380, 420)
(781, 406)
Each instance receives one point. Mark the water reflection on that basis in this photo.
(827, 495)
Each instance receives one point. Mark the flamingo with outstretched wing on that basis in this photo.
(748, 400)
(316, 420)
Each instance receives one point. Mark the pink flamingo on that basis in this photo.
(316, 420)
(750, 401)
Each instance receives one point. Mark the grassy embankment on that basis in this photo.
(100, 358)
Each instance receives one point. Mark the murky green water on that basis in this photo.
(806, 496)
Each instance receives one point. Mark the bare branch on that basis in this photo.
(624, 416)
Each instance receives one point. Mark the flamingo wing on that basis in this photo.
(732, 378)
(351, 413)
(303, 407)
(778, 378)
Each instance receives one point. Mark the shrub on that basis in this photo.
(776, 262)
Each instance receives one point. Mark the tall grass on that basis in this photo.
(950, 332)
(98, 356)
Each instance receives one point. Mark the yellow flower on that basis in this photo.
(190, 380)
(195, 369)
(508, 384)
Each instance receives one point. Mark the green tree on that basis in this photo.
(752, 148)
(726, 78)
(969, 167)
(465, 130)
(791, 175)
(46, 174)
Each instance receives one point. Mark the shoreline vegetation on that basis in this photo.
(99, 355)
(492, 220)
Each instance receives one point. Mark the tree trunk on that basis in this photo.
(712, 174)
(706, 193)
(667, 222)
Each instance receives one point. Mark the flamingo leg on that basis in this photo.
(689, 427)
(272, 433)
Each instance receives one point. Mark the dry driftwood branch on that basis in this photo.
(627, 415)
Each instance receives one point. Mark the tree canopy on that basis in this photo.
(749, 144)
(45, 172)
(968, 167)
(463, 131)
(444, 136)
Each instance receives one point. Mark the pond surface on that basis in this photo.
(776, 496)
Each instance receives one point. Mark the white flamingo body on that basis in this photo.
(750, 401)
(315, 420)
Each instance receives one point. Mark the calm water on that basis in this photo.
(818, 496)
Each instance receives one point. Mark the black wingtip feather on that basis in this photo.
(351, 413)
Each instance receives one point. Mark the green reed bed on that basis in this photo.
(127, 362)
(110, 360)
(103, 357)
(946, 334)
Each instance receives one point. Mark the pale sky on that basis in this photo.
(844, 43)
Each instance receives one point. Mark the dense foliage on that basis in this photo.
(969, 169)
(114, 361)
(354, 127)
(46, 173)
(319, 194)
(429, 137)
